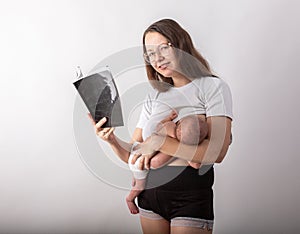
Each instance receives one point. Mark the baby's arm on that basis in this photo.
(161, 159)
(165, 128)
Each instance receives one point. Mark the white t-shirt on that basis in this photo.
(210, 96)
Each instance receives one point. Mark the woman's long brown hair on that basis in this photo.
(191, 62)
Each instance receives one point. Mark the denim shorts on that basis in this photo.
(179, 193)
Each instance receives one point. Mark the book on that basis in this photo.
(100, 95)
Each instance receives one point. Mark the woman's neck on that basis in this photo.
(180, 80)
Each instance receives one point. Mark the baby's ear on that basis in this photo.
(178, 132)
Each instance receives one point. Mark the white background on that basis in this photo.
(252, 44)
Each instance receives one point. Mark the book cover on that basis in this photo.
(100, 95)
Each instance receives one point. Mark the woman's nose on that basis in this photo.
(159, 57)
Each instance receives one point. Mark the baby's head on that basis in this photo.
(191, 130)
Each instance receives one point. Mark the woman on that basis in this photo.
(178, 199)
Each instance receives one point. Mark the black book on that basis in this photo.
(100, 95)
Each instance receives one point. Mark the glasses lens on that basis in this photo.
(163, 50)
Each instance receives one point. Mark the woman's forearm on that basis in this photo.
(173, 147)
(211, 150)
(205, 153)
(121, 148)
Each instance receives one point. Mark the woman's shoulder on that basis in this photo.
(210, 82)
(217, 96)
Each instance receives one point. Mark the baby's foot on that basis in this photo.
(195, 165)
(132, 206)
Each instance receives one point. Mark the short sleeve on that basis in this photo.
(218, 98)
(145, 113)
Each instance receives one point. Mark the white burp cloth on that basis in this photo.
(137, 173)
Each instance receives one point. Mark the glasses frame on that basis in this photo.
(146, 56)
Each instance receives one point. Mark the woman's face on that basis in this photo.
(162, 57)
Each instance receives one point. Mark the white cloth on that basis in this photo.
(210, 96)
(137, 173)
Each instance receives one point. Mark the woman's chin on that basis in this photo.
(166, 73)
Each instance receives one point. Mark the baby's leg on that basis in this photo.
(160, 160)
(138, 187)
(139, 180)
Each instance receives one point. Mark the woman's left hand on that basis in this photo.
(146, 150)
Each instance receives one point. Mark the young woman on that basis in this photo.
(178, 199)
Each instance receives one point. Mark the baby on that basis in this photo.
(190, 130)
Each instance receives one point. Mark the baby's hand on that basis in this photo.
(162, 123)
(172, 116)
(167, 129)
(146, 150)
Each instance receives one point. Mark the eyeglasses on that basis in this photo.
(163, 50)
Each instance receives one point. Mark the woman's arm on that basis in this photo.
(121, 148)
(211, 150)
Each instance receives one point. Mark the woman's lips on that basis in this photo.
(163, 66)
